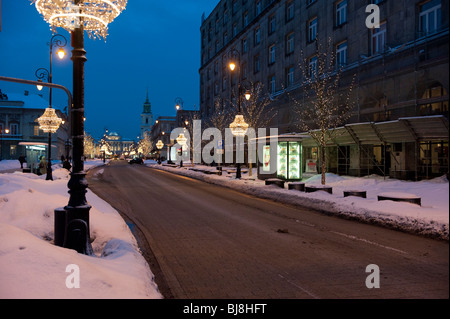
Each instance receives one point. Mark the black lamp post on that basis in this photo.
(59, 41)
(238, 127)
(1, 137)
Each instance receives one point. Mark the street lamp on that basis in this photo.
(77, 16)
(179, 103)
(6, 130)
(49, 122)
(181, 139)
(159, 145)
(238, 126)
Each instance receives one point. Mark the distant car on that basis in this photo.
(136, 161)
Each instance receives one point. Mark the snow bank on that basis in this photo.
(32, 267)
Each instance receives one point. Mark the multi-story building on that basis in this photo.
(161, 130)
(400, 70)
(19, 128)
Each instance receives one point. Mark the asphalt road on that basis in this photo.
(208, 242)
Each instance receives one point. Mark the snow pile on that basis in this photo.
(430, 219)
(32, 267)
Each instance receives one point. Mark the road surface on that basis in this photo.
(204, 241)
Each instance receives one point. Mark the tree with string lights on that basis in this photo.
(326, 102)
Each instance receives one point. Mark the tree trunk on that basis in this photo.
(323, 163)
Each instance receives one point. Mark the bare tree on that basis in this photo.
(257, 111)
(326, 103)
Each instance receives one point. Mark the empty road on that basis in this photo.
(207, 242)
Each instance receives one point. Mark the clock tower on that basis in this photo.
(146, 117)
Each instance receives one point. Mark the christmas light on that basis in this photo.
(49, 122)
(239, 127)
(92, 15)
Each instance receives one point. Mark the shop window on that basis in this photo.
(436, 106)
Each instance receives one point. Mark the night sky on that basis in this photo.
(152, 44)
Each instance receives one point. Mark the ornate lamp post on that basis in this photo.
(179, 103)
(5, 131)
(159, 145)
(49, 122)
(77, 16)
(238, 127)
(181, 139)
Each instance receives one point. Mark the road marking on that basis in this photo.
(299, 287)
(369, 242)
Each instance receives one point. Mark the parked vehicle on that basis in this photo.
(137, 160)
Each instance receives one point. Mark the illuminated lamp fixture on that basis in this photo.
(93, 15)
(49, 122)
(239, 127)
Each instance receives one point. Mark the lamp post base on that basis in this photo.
(72, 229)
(238, 171)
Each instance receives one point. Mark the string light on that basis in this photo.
(93, 15)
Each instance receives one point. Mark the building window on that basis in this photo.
(289, 11)
(244, 70)
(290, 43)
(438, 106)
(235, 30)
(256, 63)
(378, 39)
(290, 76)
(234, 7)
(36, 130)
(272, 54)
(225, 38)
(245, 19)
(312, 67)
(244, 45)
(272, 24)
(14, 129)
(430, 17)
(312, 29)
(341, 54)
(258, 7)
(257, 36)
(272, 83)
(341, 12)
(224, 83)
(225, 17)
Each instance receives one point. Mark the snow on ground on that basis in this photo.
(430, 219)
(32, 267)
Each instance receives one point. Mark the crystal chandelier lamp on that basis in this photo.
(92, 15)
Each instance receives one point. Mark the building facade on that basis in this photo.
(400, 70)
(19, 128)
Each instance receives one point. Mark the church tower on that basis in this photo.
(146, 117)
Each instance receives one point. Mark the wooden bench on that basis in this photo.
(275, 181)
(297, 186)
(362, 194)
(401, 197)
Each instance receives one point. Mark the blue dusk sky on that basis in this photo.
(152, 44)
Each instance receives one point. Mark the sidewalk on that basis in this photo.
(431, 219)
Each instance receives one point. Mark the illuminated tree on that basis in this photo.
(326, 101)
(145, 145)
(89, 146)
